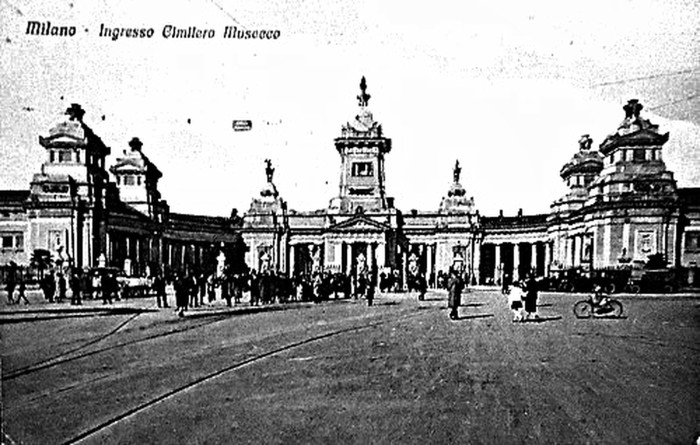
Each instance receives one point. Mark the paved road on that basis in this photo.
(340, 372)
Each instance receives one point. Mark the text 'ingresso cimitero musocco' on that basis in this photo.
(47, 28)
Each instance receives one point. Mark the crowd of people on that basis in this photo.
(263, 288)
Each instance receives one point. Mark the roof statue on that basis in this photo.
(363, 98)
(269, 170)
(135, 144)
(457, 171)
(585, 142)
(76, 112)
(633, 108)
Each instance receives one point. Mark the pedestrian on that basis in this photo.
(237, 285)
(76, 287)
(505, 285)
(21, 288)
(202, 283)
(193, 290)
(211, 291)
(61, 287)
(318, 283)
(454, 289)
(422, 287)
(515, 299)
(181, 294)
(370, 293)
(159, 288)
(48, 284)
(531, 298)
(10, 286)
(107, 282)
(226, 290)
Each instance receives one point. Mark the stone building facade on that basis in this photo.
(623, 205)
(85, 219)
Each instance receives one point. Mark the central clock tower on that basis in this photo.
(362, 147)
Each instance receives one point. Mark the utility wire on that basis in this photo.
(227, 13)
(652, 76)
(673, 102)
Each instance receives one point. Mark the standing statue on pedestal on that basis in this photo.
(456, 172)
(361, 276)
(269, 170)
(220, 264)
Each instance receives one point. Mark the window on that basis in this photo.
(77, 155)
(64, 156)
(639, 155)
(362, 169)
(692, 242)
(12, 241)
(128, 180)
(52, 156)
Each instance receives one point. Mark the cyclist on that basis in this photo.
(598, 299)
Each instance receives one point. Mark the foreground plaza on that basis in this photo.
(342, 372)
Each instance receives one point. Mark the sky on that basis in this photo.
(506, 87)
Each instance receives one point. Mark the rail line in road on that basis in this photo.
(67, 357)
(38, 365)
(229, 368)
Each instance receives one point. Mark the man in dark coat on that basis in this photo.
(182, 288)
(48, 285)
(76, 287)
(531, 298)
(454, 289)
(159, 288)
(11, 284)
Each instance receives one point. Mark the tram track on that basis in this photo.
(68, 356)
(239, 364)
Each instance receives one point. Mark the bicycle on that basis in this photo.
(608, 307)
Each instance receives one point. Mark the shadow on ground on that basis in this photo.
(471, 317)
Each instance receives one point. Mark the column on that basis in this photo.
(533, 258)
(348, 266)
(108, 253)
(292, 256)
(429, 264)
(477, 261)
(516, 262)
(497, 268)
(577, 250)
(370, 256)
(404, 270)
(381, 256)
(547, 258)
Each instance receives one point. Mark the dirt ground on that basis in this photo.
(342, 372)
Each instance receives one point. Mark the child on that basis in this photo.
(515, 298)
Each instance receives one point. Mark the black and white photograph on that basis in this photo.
(349, 222)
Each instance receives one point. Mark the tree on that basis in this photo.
(41, 260)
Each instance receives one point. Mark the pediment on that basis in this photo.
(359, 224)
(644, 137)
(62, 140)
